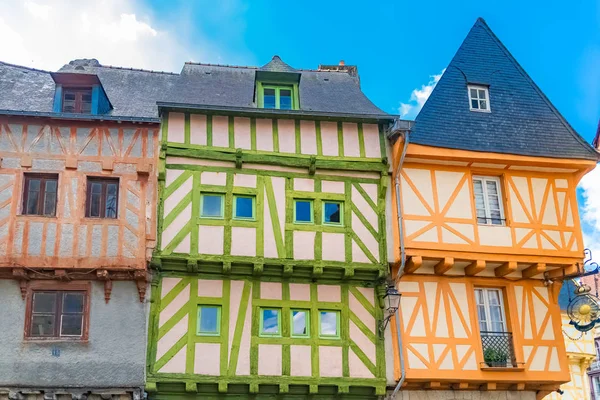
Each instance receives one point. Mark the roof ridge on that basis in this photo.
(135, 69)
(220, 65)
(24, 67)
(522, 71)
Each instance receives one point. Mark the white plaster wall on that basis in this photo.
(175, 127)
(198, 129)
(220, 131)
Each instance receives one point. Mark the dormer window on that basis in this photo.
(277, 97)
(77, 100)
(479, 98)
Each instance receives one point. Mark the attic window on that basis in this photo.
(77, 100)
(479, 98)
(280, 97)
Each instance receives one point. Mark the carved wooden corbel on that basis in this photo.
(141, 280)
(23, 277)
(104, 275)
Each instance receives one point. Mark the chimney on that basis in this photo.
(342, 63)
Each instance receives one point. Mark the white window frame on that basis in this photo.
(486, 306)
(487, 98)
(486, 202)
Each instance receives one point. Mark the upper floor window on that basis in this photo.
(77, 100)
(479, 98)
(39, 194)
(277, 97)
(102, 197)
(209, 321)
(496, 341)
(488, 200)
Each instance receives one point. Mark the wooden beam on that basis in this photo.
(413, 264)
(460, 386)
(505, 269)
(569, 271)
(444, 266)
(491, 386)
(518, 386)
(433, 385)
(475, 267)
(535, 269)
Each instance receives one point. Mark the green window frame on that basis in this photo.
(252, 198)
(203, 196)
(341, 204)
(306, 322)
(261, 319)
(277, 88)
(337, 322)
(199, 330)
(312, 211)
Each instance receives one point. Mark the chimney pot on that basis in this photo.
(342, 63)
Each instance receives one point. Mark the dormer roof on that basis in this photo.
(277, 65)
(522, 120)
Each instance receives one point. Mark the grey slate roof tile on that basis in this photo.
(522, 120)
(277, 65)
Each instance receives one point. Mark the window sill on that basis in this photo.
(481, 111)
(37, 216)
(501, 369)
(493, 226)
(54, 341)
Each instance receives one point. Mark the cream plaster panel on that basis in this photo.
(364, 207)
(408, 287)
(413, 360)
(330, 361)
(167, 285)
(412, 226)
(244, 180)
(183, 246)
(333, 247)
(301, 362)
(329, 139)
(446, 182)
(358, 255)
(361, 312)
(175, 227)
(241, 131)
(429, 235)
(518, 213)
(270, 290)
(171, 175)
(371, 190)
(264, 134)
(550, 211)
(220, 131)
(299, 291)
(421, 179)
(494, 235)
(471, 364)
(304, 245)
(208, 359)
(269, 359)
(539, 359)
(279, 193)
(235, 299)
(356, 367)
(175, 305)
(286, 130)
(450, 237)
(308, 138)
(540, 311)
(198, 129)
(243, 366)
(176, 124)
(362, 341)
(561, 183)
(411, 204)
(210, 288)
(538, 186)
(176, 365)
(461, 206)
(270, 247)
(520, 233)
(460, 294)
(467, 230)
(304, 185)
(171, 337)
(178, 195)
(213, 178)
(351, 142)
(210, 239)
(243, 241)
(333, 187)
(330, 293)
(522, 187)
(369, 294)
(197, 161)
(554, 365)
(365, 236)
(371, 138)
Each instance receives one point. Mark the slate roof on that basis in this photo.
(277, 65)
(522, 120)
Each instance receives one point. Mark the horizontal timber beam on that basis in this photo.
(534, 270)
(475, 267)
(444, 266)
(413, 264)
(506, 269)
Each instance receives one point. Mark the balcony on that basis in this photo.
(498, 350)
(594, 367)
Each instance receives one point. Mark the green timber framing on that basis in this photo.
(283, 268)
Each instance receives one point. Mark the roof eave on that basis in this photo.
(79, 117)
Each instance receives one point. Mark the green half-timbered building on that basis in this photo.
(271, 256)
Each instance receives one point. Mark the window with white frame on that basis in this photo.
(488, 200)
(490, 310)
(479, 98)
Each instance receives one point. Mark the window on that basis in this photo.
(243, 207)
(329, 324)
(39, 195)
(270, 322)
(300, 323)
(490, 310)
(209, 321)
(77, 101)
(488, 200)
(211, 205)
(478, 98)
(102, 197)
(57, 314)
(303, 211)
(332, 212)
(278, 97)
(496, 341)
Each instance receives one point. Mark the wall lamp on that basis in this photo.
(391, 302)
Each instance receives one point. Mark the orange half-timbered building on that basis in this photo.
(486, 183)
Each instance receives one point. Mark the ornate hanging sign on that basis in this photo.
(584, 308)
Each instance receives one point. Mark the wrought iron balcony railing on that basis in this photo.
(498, 349)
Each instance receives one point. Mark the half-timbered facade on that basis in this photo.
(78, 194)
(486, 182)
(271, 236)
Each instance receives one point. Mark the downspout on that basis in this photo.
(402, 258)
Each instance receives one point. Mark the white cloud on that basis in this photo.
(418, 97)
(589, 210)
(48, 34)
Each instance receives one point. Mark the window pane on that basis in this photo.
(96, 188)
(473, 93)
(44, 302)
(270, 320)
(211, 205)
(493, 297)
(95, 205)
(329, 323)
(209, 320)
(72, 302)
(303, 211)
(481, 94)
(32, 202)
(269, 98)
(50, 203)
(299, 323)
(111, 200)
(42, 325)
(71, 325)
(331, 212)
(86, 103)
(243, 207)
(285, 99)
(482, 105)
(69, 102)
(475, 104)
